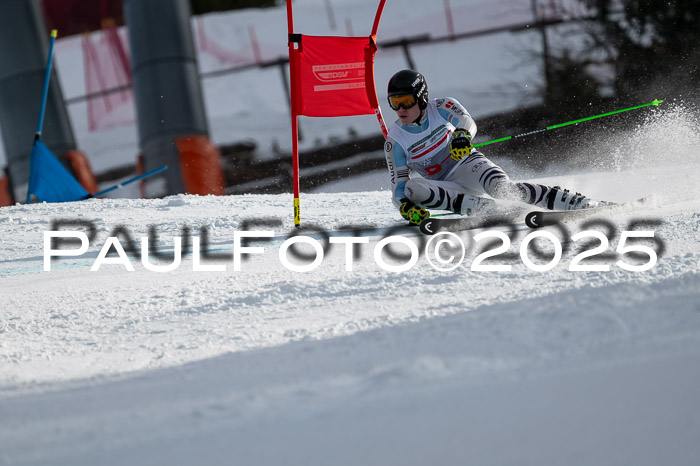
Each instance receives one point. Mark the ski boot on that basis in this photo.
(562, 199)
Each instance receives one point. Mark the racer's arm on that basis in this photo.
(398, 169)
(451, 110)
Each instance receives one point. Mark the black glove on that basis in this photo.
(460, 144)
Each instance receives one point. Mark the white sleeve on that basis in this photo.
(452, 111)
(398, 170)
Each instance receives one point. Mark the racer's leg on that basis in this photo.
(480, 175)
(443, 195)
(433, 194)
(477, 173)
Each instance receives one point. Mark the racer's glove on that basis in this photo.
(460, 144)
(413, 213)
(405, 207)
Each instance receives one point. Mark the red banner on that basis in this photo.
(334, 76)
(330, 77)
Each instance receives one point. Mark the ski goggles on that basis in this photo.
(402, 100)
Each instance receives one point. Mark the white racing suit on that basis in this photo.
(443, 184)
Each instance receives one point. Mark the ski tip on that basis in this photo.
(428, 227)
(656, 102)
(533, 219)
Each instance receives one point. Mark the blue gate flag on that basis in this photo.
(49, 181)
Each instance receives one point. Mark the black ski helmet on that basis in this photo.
(409, 82)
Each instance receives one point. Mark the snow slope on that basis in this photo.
(270, 366)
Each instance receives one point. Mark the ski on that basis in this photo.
(543, 218)
(431, 226)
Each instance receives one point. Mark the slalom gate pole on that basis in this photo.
(129, 181)
(293, 64)
(47, 78)
(654, 103)
(44, 97)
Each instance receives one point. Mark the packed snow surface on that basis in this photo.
(269, 366)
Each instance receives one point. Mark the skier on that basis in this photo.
(433, 138)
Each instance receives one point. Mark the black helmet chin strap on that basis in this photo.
(420, 117)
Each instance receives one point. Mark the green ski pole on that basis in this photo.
(654, 103)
